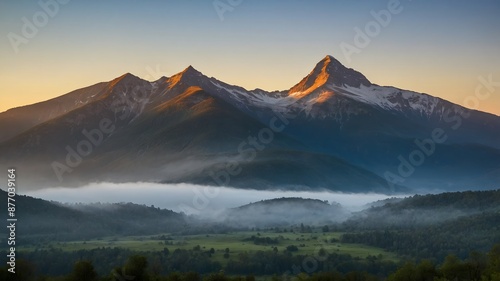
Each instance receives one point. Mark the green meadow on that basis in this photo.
(236, 242)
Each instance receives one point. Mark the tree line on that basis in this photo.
(477, 267)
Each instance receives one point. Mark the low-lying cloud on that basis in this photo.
(190, 198)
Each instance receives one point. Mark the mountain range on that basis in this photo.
(333, 130)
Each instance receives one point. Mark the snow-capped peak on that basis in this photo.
(329, 71)
(329, 90)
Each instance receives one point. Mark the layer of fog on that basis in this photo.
(191, 199)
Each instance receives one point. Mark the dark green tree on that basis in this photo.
(453, 268)
(426, 271)
(136, 267)
(83, 271)
(492, 271)
(406, 273)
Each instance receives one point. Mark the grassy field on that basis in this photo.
(236, 242)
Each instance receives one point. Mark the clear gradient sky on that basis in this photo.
(435, 47)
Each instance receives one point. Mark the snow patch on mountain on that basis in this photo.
(319, 103)
(390, 98)
(259, 98)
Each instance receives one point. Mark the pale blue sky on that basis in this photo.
(437, 47)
